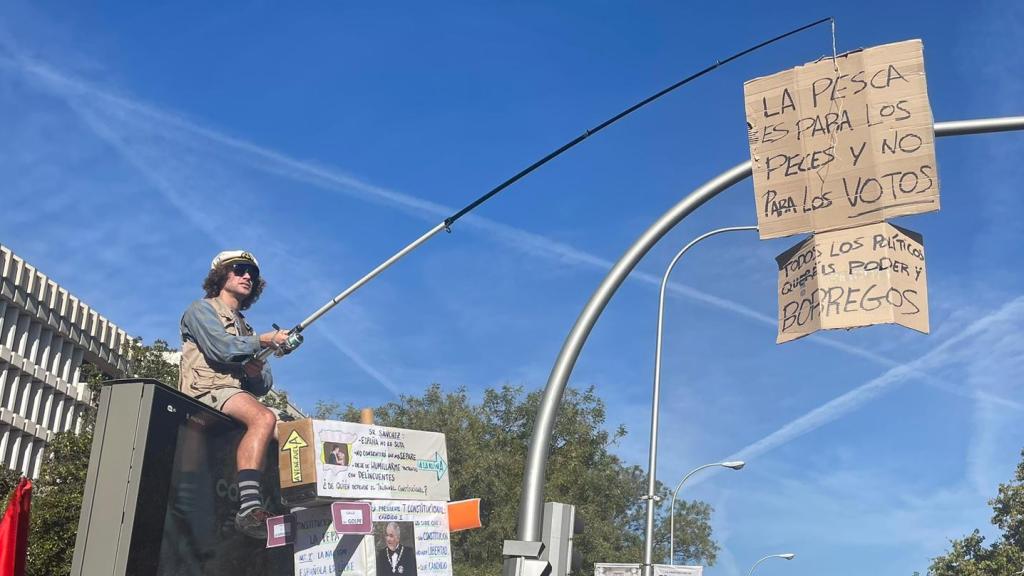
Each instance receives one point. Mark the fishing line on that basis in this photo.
(446, 224)
(451, 219)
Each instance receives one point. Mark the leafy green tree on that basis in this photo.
(276, 399)
(969, 556)
(150, 362)
(487, 444)
(8, 482)
(56, 502)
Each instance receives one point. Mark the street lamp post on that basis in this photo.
(672, 509)
(786, 556)
(531, 503)
(651, 496)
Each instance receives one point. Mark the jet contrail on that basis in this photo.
(200, 220)
(1010, 314)
(533, 244)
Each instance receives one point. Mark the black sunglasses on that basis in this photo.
(241, 269)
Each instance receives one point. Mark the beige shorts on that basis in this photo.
(216, 399)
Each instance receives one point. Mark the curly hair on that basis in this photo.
(216, 279)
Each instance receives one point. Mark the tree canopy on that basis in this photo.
(970, 556)
(487, 445)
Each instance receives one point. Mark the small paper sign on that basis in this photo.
(352, 517)
(280, 530)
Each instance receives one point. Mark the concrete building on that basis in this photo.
(46, 337)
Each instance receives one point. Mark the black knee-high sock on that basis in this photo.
(248, 489)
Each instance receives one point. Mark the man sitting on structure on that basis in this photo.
(218, 370)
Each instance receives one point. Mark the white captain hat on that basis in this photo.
(233, 257)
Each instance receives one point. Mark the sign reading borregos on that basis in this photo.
(872, 274)
(844, 143)
(324, 460)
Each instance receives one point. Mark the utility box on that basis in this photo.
(559, 527)
(325, 460)
(160, 494)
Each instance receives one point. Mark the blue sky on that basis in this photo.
(139, 140)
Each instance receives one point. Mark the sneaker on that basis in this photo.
(253, 522)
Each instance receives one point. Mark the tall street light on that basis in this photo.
(531, 503)
(651, 496)
(786, 556)
(672, 514)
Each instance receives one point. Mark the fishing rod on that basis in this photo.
(295, 334)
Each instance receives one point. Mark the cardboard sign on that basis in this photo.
(410, 538)
(323, 460)
(872, 274)
(840, 148)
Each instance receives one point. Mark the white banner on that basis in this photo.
(362, 461)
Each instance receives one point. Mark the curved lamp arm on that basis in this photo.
(672, 514)
(786, 556)
(652, 461)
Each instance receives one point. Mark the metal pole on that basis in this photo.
(530, 514)
(672, 513)
(262, 354)
(787, 556)
(531, 506)
(656, 399)
(371, 275)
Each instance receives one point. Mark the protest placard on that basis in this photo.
(319, 549)
(409, 538)
(323, 460)
(842, 142)
(872, 274)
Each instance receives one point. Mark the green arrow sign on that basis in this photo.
(437, 465)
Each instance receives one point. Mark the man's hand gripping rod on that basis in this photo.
(295, 334)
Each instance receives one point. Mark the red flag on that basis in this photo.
(14, 530)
